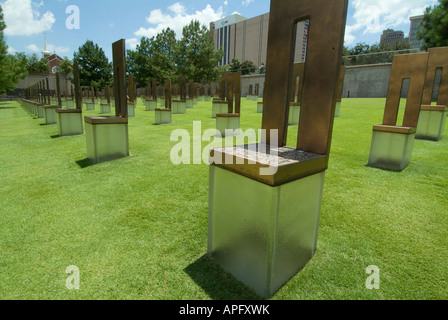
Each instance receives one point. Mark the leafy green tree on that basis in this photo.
(36, 65)
(247, 67)
(163, 51)
(434, 28)
(360, 48)
(139, 62)
(3, 46)
(153, 58)
(4, 80)
(94, 68)
(198, 59)
(345, 51)
(235, 65)
(363, 53)
(131, 64)
(164, 57)
(364, 48)
(399, 45)
(12, 67)
(65, 66)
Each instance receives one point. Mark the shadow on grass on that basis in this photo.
(5, 108)
(217, 283)
(84, 163)
(383, 168)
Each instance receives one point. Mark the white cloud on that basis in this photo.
(177, 9)
(132, 43)
(51, 47)
(374, 16)
(33, 48)
(22, 18)
(57, 49)
(226, 3)
(349, 37)
(11, 50)
(176, 19)
(247, 2)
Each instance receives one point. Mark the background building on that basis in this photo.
(246, 39)
(53, 58)
(53, 62)
(415, 43)
(390, 37)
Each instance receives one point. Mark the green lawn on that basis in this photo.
(137, 227)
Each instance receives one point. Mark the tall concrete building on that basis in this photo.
(413, 40)
(390, 37)
(247, 39)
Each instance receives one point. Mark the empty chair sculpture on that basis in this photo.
(49, 109)
(228, 123)
(107, 136)
(180, 105)
(432, 119)
(339, 91)
(69, 121)
(392, 144)
(296, 93)
(105, 103)
(163, 115)
(132, 96)
(265, 199)
(219, 104)
(151, 96)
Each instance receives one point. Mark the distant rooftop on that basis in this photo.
(234, 18)
(416, 17)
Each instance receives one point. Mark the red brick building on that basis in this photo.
(53, 62)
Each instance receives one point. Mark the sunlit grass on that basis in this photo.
(137, 227)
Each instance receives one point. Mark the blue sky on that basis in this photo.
(105, 21)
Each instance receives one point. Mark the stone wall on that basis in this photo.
(32, 79)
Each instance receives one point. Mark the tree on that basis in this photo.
(198, 59)
(36, 65)
(434, 27)
(12, 67)
(94, 68)
(164, 55)
(4, 77)
(65, 66)
(235, 65)
(360, 48)
(3, 46)
(247, 67)
(363, 53)
(139, 62)
(154, 58)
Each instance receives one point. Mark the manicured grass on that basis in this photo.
(137, 227)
